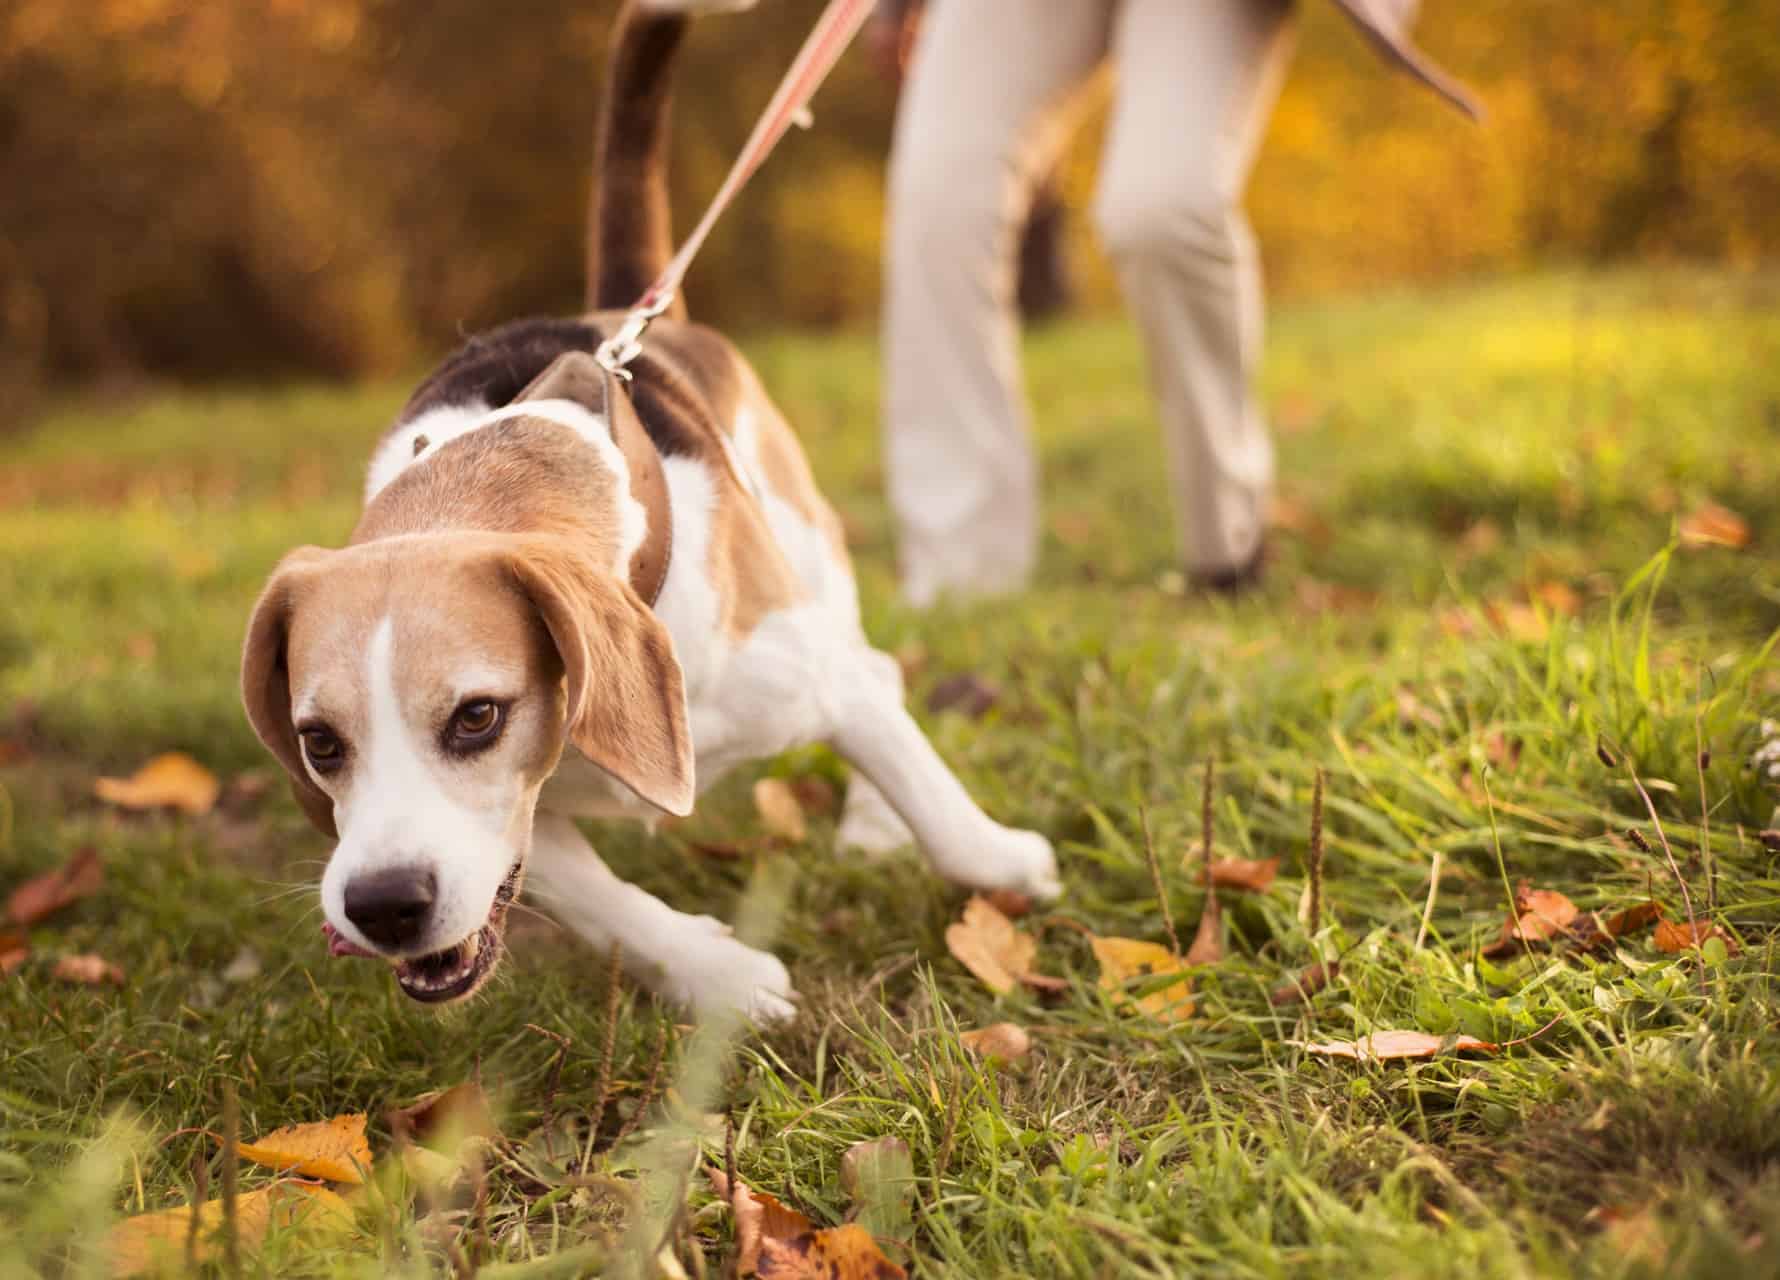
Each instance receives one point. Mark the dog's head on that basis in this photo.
(419, 690)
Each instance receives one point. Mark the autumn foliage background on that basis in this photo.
(341, 187)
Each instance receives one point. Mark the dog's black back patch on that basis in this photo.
(492, 368)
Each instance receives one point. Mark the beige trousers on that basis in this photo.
(985, 108)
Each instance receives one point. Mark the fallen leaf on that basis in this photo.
(326, 1149)
(1713, 525)
(834, 1253)
(1208, 939)
(170, 781)
(1123, 960)
(13, 751)
(1010, 902)
(758, 1217)
(1539, 916)
(1456, 621)
(1308, 982)
(966, 693)
(149, 1240)
(1632, 1233)
(1295, 516)
(1559, 597)
(15, 949)
(89, 970)
(815, 795)
(1675, 936)
(880, 1177)
(1005, 1040)
(1592, 931)
(779, 811)
(48, 893)
(1382, 1046)
(1314, 597)
(446, 1116)
(1251, 875)
(1480, 540)
(987, 943)
(1518, 621)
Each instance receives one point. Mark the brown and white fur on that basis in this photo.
(475, 670)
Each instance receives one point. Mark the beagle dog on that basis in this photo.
(569, 597)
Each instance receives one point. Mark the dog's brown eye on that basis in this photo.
(324, 751)
(475, 724)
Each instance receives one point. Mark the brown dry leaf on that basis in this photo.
(758, 1216)
(834, 1253)
(1293, 515)
(1539, 916)
(1251, 875)
(15, 949)
(986, 942)
(138, 1244)
(1480, 539)
(1010, 902)
(89, 970)
(1712, 525)
(1208, 939)
(1308, 982)
(1384, 1046)
(13, 751)
(815, 795)
(1456, 621)
(779, 811)
(1123, 960)
(1005, 1040)
(1559, 597)
(1676, 936)
(1314, 597)
(170, 781)
(48, 893)
(326, 1149)
(967, 693)
(1591, 930)
(447, 1115)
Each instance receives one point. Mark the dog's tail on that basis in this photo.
(630, 227)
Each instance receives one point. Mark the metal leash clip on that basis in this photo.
(626, 344)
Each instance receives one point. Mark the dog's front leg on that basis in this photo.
(694, 960)
(873, 730)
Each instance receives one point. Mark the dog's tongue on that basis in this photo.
(342, 946)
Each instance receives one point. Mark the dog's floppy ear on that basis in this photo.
(626, 698)
(265, 681)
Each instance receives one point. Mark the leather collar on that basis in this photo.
(574, 376)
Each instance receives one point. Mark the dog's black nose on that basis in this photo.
(391, 907)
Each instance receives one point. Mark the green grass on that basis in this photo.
(1574, 416)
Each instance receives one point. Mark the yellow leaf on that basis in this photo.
(170, 781)
(988, 944)
(1123, 960)
(325, 1149)
(138, 1244)
(777, 805)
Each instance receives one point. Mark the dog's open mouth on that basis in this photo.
(456, 971)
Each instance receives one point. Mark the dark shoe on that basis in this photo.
(1234, 582)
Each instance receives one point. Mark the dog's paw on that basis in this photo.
(869, 825)
(713, 972)
(1019, 860)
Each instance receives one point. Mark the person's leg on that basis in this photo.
(984, 107)
(1197, 82)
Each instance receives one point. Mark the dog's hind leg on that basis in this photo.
(694, 960)
(873, 730)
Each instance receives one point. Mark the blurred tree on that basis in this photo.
(340, 186)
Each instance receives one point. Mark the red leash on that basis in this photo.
(833, 32)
